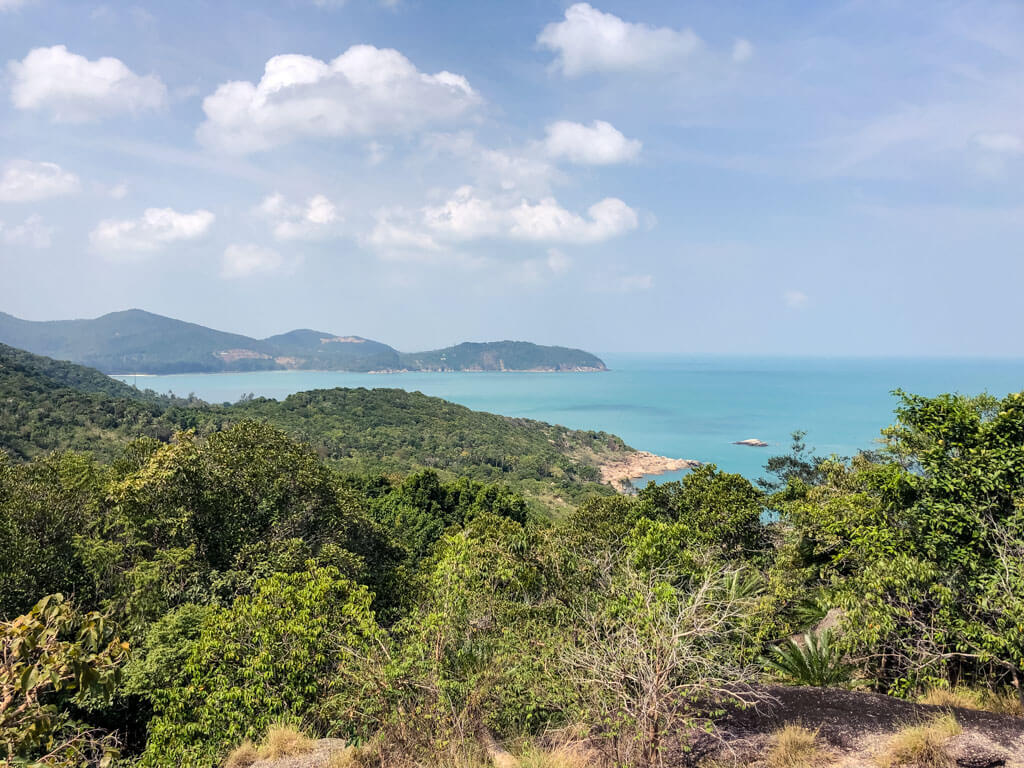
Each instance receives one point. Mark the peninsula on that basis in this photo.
(135, 341)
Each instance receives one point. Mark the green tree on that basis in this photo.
(53, 659)
(270, 657)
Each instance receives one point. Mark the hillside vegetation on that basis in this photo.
(135, 341)
(236, 594)
(51, 405)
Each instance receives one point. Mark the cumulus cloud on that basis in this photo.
(247, 260)
(364, 91)
(795, 299)
(522, 170)
(599, 143)
(742, 50)
(1003, 143)
(26, 181)
(589, 40)
(293, 221)
(156, 228)
(74, 89)
(33, 233)
(468, 215)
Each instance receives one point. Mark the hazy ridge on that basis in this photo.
(136, 341)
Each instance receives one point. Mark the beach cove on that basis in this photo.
(692, 408)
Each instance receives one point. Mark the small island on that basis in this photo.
(752, 442)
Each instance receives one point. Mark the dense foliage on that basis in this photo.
(502, 356)
(49, 405)
(239, 575)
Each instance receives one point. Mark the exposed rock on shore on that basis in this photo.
(616, 471)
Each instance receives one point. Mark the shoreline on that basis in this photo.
(615, 472)
(368, 373)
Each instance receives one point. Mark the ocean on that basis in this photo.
(684, 407)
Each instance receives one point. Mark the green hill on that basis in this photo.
(50, 405)
(503, 356)
(135, 341)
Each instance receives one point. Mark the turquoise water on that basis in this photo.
(692, 408)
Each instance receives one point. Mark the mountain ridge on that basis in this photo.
(137, 341)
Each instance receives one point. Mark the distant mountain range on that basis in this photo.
(135, 341)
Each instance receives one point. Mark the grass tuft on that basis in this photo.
(796, 747)
(1003, 702)
(242, 756)
(284, 741)
(922, 746)
(564, 756)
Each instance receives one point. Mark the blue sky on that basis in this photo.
(675, 177)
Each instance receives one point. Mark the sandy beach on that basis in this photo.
(639, 464)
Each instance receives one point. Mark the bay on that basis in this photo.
(685, 407)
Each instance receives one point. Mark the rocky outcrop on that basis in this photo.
(616, 470)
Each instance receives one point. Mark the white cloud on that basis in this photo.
(468, 215)
(362, 92)
(524, 171)
(32, 233)
(1003, 143)
(742, 50)
(74, 89)
(589, 40)
(156, 228)
(118, 191)
(600, 143)
(26, 181)
(307, 221)
(247, 260)
(12, 5)
(795, 299)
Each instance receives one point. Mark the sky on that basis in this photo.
(725, 177)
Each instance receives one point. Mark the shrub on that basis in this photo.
(272, 656)
(815, 661)
(54, 660)
(651, 655)
(922, 746)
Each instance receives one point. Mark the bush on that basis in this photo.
(815, 661)
(272, 656)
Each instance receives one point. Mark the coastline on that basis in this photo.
(580, 369)
(617, 471)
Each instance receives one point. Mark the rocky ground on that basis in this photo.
(855, 727)
(631, 466)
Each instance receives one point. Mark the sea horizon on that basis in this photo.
(683, 406)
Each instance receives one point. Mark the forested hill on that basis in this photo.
(50, 405)
(503, 356)
(135, 341)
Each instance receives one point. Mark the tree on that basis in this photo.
(270, 657)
